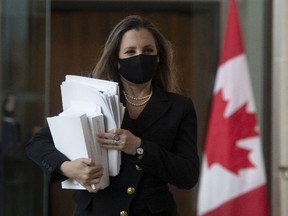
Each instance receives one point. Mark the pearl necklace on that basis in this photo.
(146, 98)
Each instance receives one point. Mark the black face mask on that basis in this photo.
(138, 69)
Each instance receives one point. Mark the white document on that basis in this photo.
(108, 88)
(72, 137)
(72, 92)
(101, 85)
(101, 93)
(96, 124)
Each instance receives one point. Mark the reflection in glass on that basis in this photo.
(22, 78)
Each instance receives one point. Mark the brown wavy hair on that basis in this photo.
(107, 66)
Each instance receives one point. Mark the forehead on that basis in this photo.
(137, 37)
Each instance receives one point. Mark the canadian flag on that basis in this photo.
(233, 181)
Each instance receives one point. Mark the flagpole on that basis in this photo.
(279, 109)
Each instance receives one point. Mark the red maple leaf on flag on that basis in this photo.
(224, 133)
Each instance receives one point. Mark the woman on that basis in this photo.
(157, 137)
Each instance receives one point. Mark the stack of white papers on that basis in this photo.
(89, 106)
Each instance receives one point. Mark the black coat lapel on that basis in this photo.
(154, 110)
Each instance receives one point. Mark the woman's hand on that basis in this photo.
(120, 139)
(84, 171)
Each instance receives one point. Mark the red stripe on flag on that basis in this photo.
(252, 203)
(232, 44)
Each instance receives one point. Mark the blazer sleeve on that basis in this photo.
(179, 165)
(42, 151)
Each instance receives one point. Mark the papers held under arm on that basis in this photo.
(96, 124)
(72, 136)
(102, 93)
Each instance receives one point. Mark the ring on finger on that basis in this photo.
(116, 137)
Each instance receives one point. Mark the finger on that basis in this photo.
(114, 131)
(96, 174)
(91, 188)
(118, 131)
(115, 143)
(98, 167)
(87, 161)
(95, 181)
(104, 135)
(109, 142)
(108, 136)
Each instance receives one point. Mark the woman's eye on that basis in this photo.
(130, 52)
(148, 51)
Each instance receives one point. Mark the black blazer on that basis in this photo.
(168, 129)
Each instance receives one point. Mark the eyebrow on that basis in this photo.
(133, 47)
(130, 47)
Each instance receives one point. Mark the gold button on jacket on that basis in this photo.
(123, 213)
(138, 168)
(130, 190)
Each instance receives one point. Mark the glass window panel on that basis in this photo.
(22, 84)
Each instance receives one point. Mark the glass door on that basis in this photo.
(24, 75)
